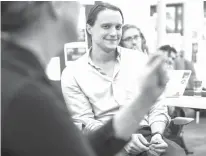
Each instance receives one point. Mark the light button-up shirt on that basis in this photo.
(89, 92)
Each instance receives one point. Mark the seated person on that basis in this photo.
(183, 64)
(173, 132)
(105, 80)
(133, 38)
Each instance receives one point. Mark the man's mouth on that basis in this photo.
(111, 39)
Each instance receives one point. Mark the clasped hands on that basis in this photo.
(139, 144)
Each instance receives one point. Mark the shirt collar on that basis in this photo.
(91, 62)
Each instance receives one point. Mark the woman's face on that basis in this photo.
(131, 39)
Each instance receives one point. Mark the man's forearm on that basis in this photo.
(126, 121)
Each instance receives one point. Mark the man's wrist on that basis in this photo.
(157, 133)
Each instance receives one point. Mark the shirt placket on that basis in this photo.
(116, 88)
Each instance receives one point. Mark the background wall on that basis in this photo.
(138, 12)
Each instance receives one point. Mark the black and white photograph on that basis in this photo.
(103, 78)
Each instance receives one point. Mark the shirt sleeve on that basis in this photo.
(159, 113)
(78, 103)
(37, 122)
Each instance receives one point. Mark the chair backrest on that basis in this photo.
(74, 50)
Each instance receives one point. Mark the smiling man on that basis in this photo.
(105, 80)
(34, 118)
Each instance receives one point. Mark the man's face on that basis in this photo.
(131, 39)
(171, 58)
(107, 30)
(170, 63)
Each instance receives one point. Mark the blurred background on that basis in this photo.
(179, 23)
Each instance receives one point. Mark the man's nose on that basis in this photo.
(134, 41)
(113, 31)
(170, 61)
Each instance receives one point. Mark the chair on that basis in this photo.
(174, 131)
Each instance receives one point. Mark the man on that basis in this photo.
(35, 119)
(105, 79)
(183, 64)
(173, 131)
(133, 38)
(170, 53)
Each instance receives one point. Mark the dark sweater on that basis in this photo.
(35, 119)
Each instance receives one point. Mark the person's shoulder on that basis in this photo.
(132, 55)
(125, 50)
(12, 81)
(25, 88)
(76, 65)
(131, 52)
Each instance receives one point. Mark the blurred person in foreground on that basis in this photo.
(35, 120)
(106, 79)
(132, 39)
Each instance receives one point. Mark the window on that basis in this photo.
(174, 17)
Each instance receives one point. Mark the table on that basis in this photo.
(189, 102)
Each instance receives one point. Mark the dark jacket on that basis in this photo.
(35, 119)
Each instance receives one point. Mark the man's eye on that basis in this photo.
(106, 26)
(118, 27)
(136, 37)
(128, 39)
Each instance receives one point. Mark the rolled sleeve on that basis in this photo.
(159, 113)
(78, 103)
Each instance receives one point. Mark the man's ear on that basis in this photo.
(89, 28)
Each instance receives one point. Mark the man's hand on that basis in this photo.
(157, 144)
(154, 78)
(138, 144)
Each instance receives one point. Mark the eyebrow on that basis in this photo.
(111, 24)
(136, 35)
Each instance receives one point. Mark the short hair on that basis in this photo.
(168, 48)
(92, 16)
(165, 48)
(173, 50)
(17, 15)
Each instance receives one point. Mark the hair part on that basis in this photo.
(92, 16)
